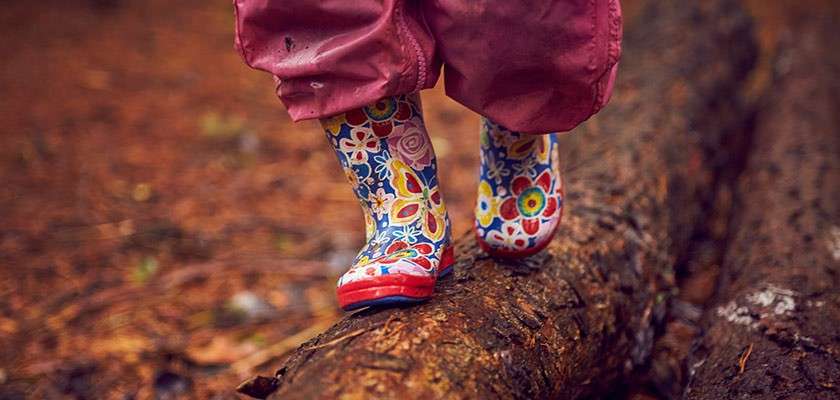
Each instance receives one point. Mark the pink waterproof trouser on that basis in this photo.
(532, 66)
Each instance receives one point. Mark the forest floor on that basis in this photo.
(165, 229)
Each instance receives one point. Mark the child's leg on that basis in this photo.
(333, 56)
(520, 192)
(388, 159)
(536, 66)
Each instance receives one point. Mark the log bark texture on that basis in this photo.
(775, 330)
(567, 322)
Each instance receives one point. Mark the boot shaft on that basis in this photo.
(387, 157)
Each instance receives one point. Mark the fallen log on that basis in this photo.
(567, 322)
(774, 332)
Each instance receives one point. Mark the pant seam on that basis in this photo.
(419, 57)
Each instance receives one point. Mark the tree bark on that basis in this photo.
(774, 331)
(567, 322)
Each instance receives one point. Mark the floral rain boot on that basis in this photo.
(388, 158)
(520, 192)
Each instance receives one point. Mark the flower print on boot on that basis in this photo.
(520, 192)
(388, 158)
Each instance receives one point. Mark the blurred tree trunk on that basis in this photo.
(568, 322)
(774, 332)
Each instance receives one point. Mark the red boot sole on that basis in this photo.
(399, 288)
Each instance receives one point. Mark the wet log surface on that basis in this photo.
(566, 322)
(774, 331)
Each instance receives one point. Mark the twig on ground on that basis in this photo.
(742, 361)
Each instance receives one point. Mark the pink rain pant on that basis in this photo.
(531, 66)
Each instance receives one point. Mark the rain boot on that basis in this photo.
(520, 192)
(388, 158)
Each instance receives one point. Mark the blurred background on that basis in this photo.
(165, 230)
